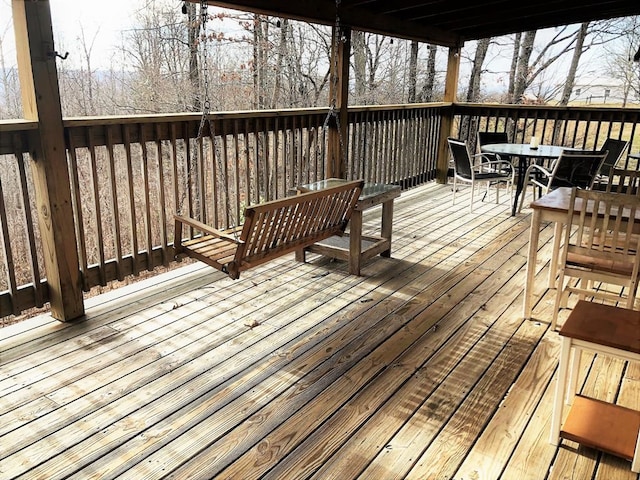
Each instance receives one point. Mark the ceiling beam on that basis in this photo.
(440, 22)
(324, 12)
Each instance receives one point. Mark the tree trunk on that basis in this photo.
(575, 60)
(359, 65)
(473, 92)
(522, 72)
(469, 126)
(413, 72)
(427, 94)
(514, 67)
(278, 69)
(193, 27)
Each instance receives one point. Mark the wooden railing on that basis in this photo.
(394, 144)
(579, 127)
(130, 174)
(21, 282)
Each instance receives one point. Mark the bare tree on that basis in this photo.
(297, 75)
(575, 60)
(193, 27)
(10, 105)
(359, 64)
(534, 60)
(619, 59)
(473, 92)
(161, 61)
(522, 77)
(514, 65)
(413, 72)
(81, 81)
(260, 55)
(427, 92)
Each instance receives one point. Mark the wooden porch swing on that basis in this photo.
(271, 229)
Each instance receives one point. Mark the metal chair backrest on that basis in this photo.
(461, 157)
(614, 148)
(576, 168)
(485, 138)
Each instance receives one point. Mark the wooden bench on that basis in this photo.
(270, 229)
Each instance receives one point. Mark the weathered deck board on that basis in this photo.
(420, 368)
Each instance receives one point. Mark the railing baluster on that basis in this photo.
(97, 211)
(25, 207)
(8, 254)
(117, 233)
(79, 220)
(163, 220)
(132, 199)
(147, 198)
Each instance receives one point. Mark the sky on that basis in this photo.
(102, 22)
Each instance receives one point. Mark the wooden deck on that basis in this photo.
(421, 368)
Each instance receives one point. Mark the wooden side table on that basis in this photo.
(605, 330)
(355, 247)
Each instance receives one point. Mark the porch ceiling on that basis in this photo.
(442, 22)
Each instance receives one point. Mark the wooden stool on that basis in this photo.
(614, 429)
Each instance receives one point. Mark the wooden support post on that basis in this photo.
(41, 102)
(450, 90)
(339, 91)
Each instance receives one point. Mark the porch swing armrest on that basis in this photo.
(206, 229)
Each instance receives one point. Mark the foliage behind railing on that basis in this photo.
(130, 174)
(579, 127)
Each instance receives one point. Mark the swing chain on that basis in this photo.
(206, 104)
(333, 112)
(206, 114)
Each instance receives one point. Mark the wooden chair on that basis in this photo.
(271, 229)
(622, 180)
(488, 172)
(599, 248)
(574, 168)
(627, 182)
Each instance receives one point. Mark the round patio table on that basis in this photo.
(524, 152)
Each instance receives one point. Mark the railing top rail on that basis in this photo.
(17, 125)
(189, 116)
(12, 125)
(518, 107)
(409, 106)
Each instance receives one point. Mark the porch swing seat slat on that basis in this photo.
(270, 229)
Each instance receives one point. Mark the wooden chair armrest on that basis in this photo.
(203, 227)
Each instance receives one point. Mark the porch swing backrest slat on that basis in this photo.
(271, 229)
